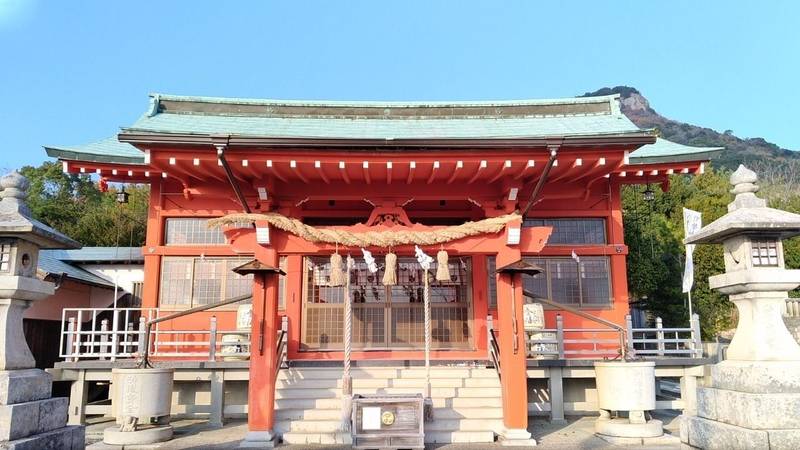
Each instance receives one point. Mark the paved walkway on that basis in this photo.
(577, 433)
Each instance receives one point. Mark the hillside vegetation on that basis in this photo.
(748, 151)
(654, 230)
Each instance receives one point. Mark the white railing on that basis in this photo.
(666, 342)
(793, 307)
(110, 334)
(598, 343)
(103, 333)
(561, 343)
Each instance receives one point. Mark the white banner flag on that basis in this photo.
(692, 223)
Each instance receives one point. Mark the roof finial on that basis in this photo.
(745, 188)
(15, 191)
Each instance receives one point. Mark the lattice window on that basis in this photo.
(192, 231)
(282, 263)
(192, 281)
(572, 231)
(561, 282)
(5, 257)
(765, 253)
(387, 316)
(491, 282)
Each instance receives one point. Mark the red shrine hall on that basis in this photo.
(551, 169)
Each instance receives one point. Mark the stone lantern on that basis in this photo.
(29, 417)
(753, 398)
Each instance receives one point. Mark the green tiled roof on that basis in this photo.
(300, 119)
(391, 120)
(666, 151)
(106, 151)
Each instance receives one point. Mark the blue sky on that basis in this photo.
(74, 72)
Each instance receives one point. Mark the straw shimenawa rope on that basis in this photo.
(389, 238)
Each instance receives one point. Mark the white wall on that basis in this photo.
(125, 274)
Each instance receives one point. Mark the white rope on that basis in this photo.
(348, 319)
(427, 307)
(347, 382)
(390, 238)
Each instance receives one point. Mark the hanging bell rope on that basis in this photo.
(425, 262)
(347, 381)
(442, 268)
(389, 238)
(390, 270)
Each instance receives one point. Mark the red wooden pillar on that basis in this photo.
(263, 355)
(513, 356)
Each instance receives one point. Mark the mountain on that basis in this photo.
(751, 151)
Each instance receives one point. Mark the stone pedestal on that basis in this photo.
(747, 405)
(258, 439)
(30, 418)
(515, 438)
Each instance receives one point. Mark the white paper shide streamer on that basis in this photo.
(422, 258)
(370, 260)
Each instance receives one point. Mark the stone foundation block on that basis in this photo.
(755, 411)
(52, 414)
(707, 403)
(66, 438)
(19, 386)
(758, 377)
(18, 421)
(711, 435)
(24, 419)
(784, 439)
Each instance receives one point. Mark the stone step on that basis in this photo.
(308, 426)
(385, 372)
(334, 413)
(333, 426)
(309, 414)
(436, 392)
(335, 403)
(386, 383)
(474, 402)
(442, 424)
(296, 437)
(456, 437)
(468, 413)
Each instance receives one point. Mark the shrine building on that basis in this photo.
(551, 171)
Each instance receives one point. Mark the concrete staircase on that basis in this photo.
(467, 401)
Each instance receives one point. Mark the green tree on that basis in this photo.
(74, 205)
(654, 234)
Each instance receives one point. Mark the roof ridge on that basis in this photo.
(157, 97)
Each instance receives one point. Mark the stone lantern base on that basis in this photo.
(29, 418)
(748, 404)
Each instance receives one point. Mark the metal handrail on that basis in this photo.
(280, 351)
(494, 347)
(624, 350)
(145, 354)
